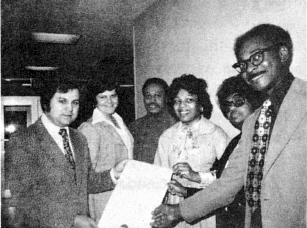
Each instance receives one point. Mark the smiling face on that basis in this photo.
(268, 74)
(154, 98)
(186, 107)
(237, 115)
(107, 102)
(64, 108)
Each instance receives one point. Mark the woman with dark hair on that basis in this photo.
(108, 138)
(191, 146)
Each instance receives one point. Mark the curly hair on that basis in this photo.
(236, 84)
(195, 86)
(268, 33)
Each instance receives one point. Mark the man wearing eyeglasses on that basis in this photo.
(270, 160)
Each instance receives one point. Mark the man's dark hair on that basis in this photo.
(156, 81)
(51, 87)
(270, 35)
(236, 84)
(195, 86)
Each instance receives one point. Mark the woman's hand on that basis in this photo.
(184, 170)
(175, 188)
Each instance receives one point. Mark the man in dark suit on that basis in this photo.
(48, 168)
(270, 160)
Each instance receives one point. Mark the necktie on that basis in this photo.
(67, 149)
(257, 155)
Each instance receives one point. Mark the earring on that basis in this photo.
(201, 109)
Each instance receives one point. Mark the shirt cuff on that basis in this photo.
(113, 176)
(207, 178)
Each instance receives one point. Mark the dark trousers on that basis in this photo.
(230, 217)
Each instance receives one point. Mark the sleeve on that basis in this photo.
(97, 182)
(93, 139)
(207, 178)
(220, 193)
(19, 171)
(161, 157)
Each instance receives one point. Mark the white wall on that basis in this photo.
(174, 37)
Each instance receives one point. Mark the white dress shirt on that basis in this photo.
(54, 130)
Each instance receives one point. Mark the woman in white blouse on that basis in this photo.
(191, 146)
(108, 138)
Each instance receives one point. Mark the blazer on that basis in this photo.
(106, 147)
(45, 190)
(283, 194)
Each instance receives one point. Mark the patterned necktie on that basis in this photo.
(67, 149)
(257, 155)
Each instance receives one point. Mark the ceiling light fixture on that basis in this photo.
(55, 38)
(41, 68)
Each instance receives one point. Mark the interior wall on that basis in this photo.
(174, 37)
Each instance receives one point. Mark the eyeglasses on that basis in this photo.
(237, 101)
(256, 59)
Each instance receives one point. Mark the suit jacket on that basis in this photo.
(107, 149)
(45, 190)
(283, 194)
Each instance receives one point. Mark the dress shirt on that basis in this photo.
(54, 130)
(146, 132)
(188, 145)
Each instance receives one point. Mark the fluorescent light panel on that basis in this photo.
(41, 68)
(55, 38)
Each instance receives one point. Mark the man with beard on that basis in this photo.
(147, 129)
(270, 160)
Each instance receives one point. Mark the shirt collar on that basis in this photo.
(203, 126)
(98, 116)
(51, 127)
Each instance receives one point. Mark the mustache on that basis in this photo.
(153, 103)
(250, 76)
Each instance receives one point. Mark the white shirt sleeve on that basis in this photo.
(207, 178)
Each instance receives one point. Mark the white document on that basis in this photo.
(139, 191)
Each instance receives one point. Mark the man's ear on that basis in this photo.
(283, 54)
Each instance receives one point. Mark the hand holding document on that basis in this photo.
(139, 191)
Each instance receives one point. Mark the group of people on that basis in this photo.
(63, 177)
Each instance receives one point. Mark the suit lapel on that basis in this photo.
(49, 146)
(113, 133)
(79, 154)
(286, 122)
(247, 133)
(52, 153)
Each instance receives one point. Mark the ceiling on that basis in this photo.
(106, 37)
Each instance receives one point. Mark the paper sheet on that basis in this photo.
(139, 191)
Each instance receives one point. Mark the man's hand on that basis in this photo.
(175, 188)
(84, 222)
(118, 169)
(184, 170)
(166, 216)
